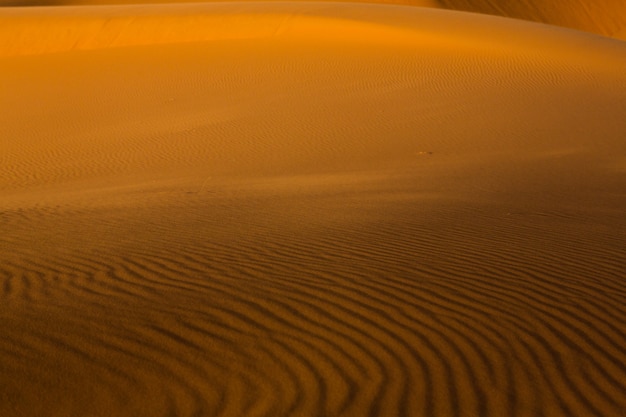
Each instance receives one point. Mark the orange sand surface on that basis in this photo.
(307, 209)
(605, 17)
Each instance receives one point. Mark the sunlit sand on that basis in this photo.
(605, 17)
(309, 209)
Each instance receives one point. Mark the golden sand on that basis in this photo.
(300, 209)
(605, 17)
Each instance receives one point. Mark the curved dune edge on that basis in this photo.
(48, 30)
(261, 225)
(34, 31)
(605, 17)
(485, 52)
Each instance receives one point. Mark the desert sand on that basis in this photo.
(307, 209)
(604, 17)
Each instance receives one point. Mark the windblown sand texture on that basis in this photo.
(304, 209)
(605, 17)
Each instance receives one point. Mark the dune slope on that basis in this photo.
(605, 17)
(30, 3)
(305, 210)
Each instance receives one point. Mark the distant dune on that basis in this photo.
(289, 209)
(605, 17)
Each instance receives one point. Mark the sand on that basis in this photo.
(299, 209)
(604, 17)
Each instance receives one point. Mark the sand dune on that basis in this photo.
(31, 3)
(422, 216)
(620, 34)
(606, 17)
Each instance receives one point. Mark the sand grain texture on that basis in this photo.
(422, 216)
(604, 17)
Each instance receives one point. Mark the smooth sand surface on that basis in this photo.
(30, 3)
(605, 17)
(304, 209)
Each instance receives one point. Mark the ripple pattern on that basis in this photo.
(414, 313)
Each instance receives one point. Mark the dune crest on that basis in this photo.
(605, 17)
(41, 30)
(230, 210)
(47, 30)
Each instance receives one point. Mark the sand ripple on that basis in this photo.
(426, 223)
(385, 316)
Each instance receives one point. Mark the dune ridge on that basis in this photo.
(277, 224)
(47, 30)
(605, 17)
